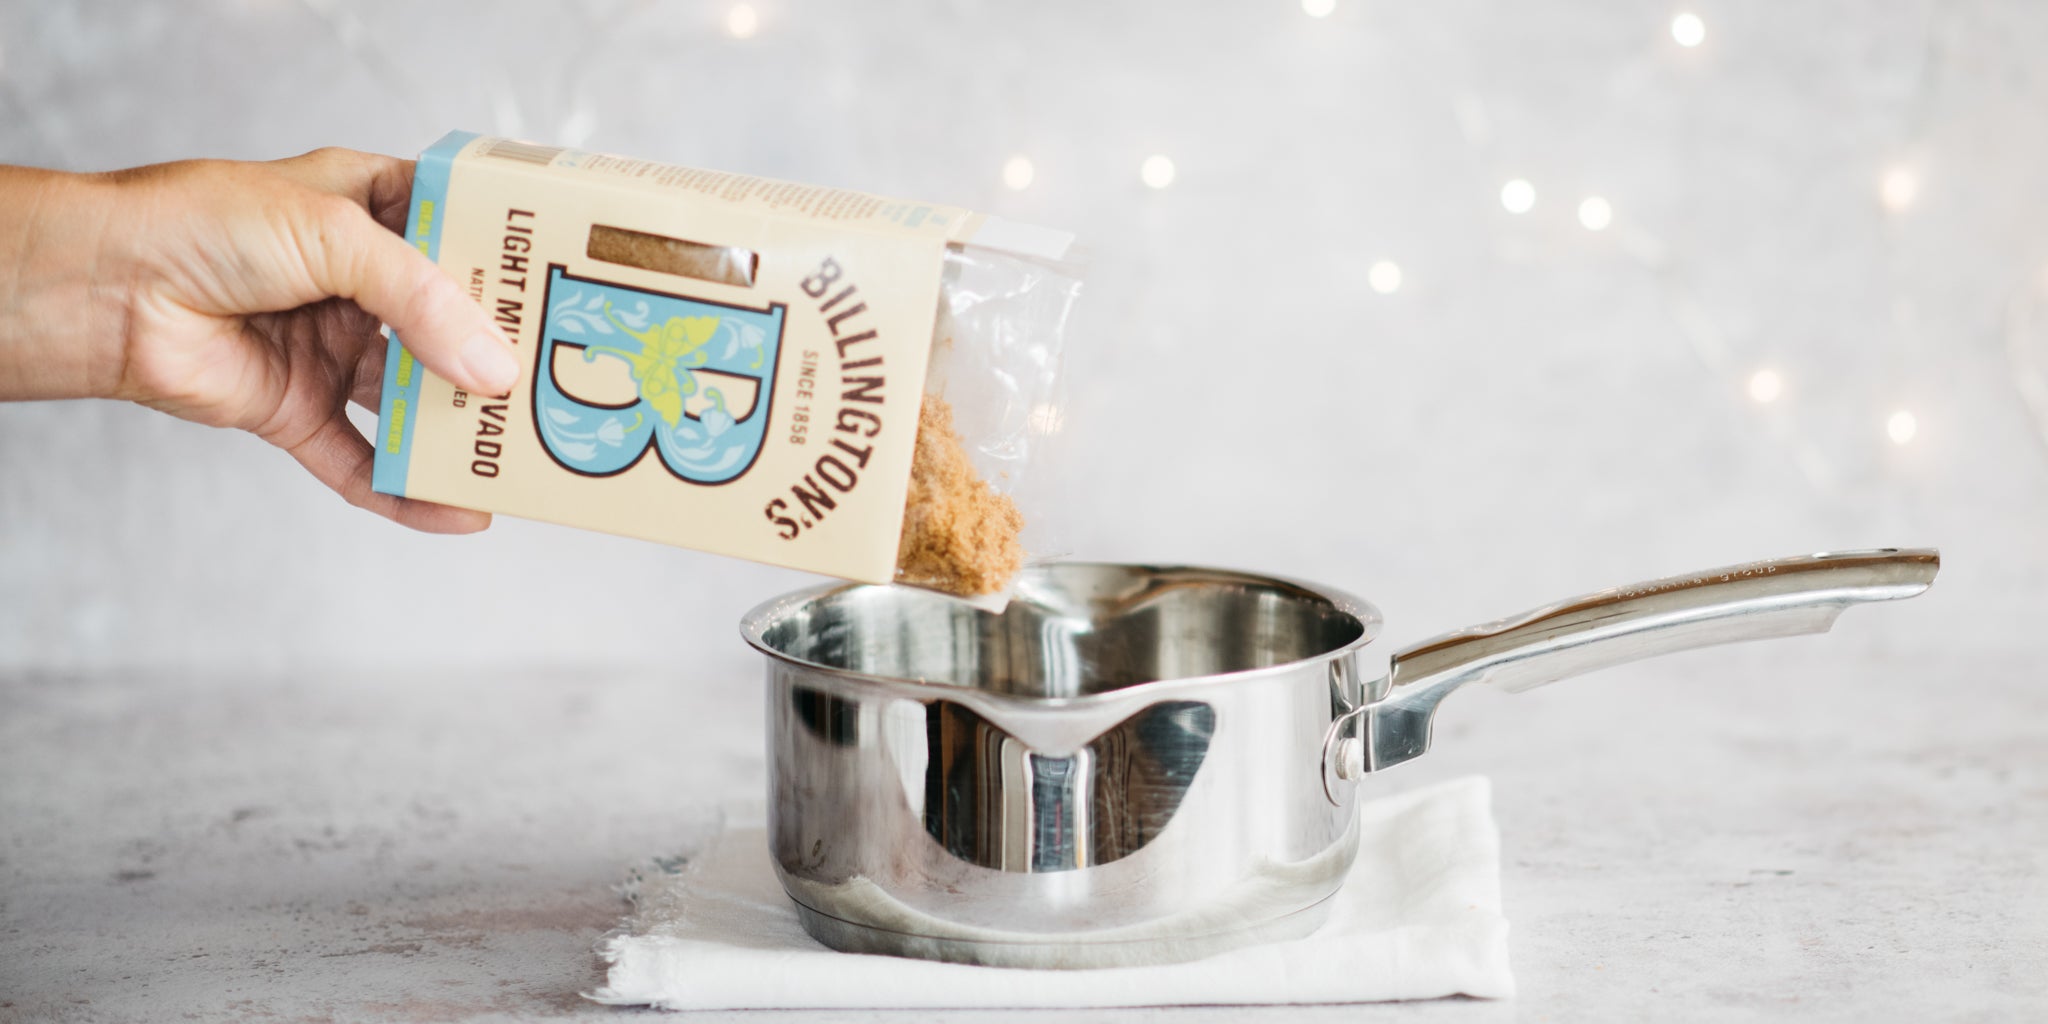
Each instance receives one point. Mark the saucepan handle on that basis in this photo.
(1783, 597)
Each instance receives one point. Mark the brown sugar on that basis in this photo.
(723, 264)
(959, 534)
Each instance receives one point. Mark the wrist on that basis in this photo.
(63, 305)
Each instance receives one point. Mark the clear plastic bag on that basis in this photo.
(992, 386)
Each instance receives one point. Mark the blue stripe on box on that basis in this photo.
(402, 374)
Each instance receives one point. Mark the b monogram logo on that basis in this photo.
(622, 370)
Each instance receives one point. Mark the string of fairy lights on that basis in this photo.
(1897, 188)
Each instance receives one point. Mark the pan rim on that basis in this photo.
(758, 620)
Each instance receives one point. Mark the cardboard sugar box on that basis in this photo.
(717, 361)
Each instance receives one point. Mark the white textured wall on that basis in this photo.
(1538, 409)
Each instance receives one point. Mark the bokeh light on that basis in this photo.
(1017, 173)
(1901, 427)
(1384, 277)
(1898, 188)
(742, 21)
(1688, 30)
(1518, 196)
(1595, 213)
(1157, 171)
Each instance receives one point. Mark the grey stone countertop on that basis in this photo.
(1850, 827)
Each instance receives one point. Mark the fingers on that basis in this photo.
(342, 459)
(367, 389)
(379, 184)
(348, 254)
(350, 249)
(390, 193)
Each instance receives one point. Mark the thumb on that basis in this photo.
(350, 255)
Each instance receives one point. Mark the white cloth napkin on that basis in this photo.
(1419, 918)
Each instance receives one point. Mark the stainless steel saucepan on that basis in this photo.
(1142, 764)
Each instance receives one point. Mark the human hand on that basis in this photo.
(242, 295)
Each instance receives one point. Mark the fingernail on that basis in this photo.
(493, 365)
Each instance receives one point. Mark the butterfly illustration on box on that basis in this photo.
(624, 369)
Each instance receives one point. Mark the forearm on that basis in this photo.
(63, 305)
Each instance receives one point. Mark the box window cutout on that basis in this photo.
(719, 264)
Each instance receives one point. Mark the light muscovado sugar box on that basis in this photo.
(803, 376)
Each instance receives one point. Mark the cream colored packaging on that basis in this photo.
(764, 404)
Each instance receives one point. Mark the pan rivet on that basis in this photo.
(1350, 758)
